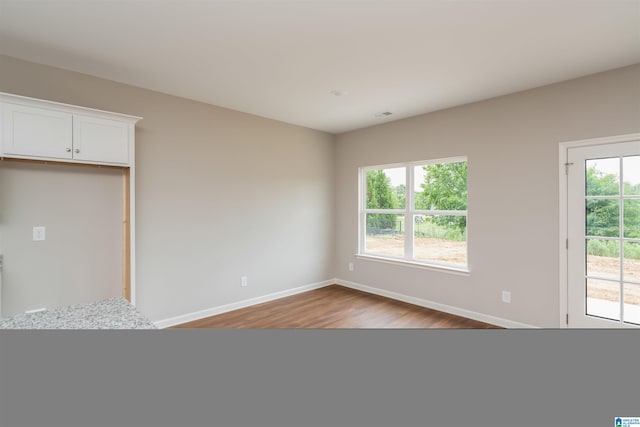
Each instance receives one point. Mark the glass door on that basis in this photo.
(604, 236)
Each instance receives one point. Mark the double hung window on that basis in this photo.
(415, 212)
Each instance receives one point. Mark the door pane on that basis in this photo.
(385, 235)
(632, 218)
(632, 303)
(603, 217)
(603, 299)
(632, 261)
(603, 258)
(603, 177)
(631, 175)
(441, 238)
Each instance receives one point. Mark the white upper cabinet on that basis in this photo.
(40, 132)
(96, 139)
(45, 130)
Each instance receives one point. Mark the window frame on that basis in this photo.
(408, 212)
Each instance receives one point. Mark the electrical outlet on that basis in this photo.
(244, 281)
(39, 233)
(506, 297)
(350, 266)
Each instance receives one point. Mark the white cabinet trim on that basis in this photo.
(73, 109)
(128, 166)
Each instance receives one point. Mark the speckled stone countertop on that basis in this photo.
(112, 313)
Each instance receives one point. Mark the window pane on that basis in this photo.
(603, 217)
(419, 177)
(603, 258)
(603, 299)
(603, 177)
(632, 261)
(441, 186)
(631, 175)
(440, 238)
(632, 303)
(632, 218)
(385, 235)
(386, 188)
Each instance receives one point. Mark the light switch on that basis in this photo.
(39, 233)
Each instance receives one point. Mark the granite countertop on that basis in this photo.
(112, 313)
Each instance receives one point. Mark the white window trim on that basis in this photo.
(433, 266)
(408, 212)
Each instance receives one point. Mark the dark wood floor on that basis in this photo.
(336, 307)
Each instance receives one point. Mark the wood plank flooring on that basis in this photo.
(336, 306)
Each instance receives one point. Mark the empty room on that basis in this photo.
(376, 164)
(319, 213)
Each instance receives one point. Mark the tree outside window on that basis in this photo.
(416, 212)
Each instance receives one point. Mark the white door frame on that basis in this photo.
(563, 234)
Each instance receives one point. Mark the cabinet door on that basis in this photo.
(100, 140)
(36, 132)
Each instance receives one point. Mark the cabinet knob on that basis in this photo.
(77, 150)
(68, 150)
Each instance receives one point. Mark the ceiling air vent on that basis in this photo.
(384, 114)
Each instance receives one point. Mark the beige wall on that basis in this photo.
(512, 147)
(81, 259)
(220, 194)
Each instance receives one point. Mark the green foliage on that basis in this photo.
(608, 248)
(632, 250)
(399, 193)
(611, 249)
(631, 189)
(599, 184)
(632, 219)
(445, 188)
(380, 196)
(603, 215)
(425, 226)
(429, 227)
(380, 222)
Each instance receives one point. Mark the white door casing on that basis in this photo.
(593, 256)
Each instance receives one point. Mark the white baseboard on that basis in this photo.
(498, 321)
(201, 314)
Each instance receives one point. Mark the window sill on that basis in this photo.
(433, 267)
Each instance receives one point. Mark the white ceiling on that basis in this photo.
(282, 59)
